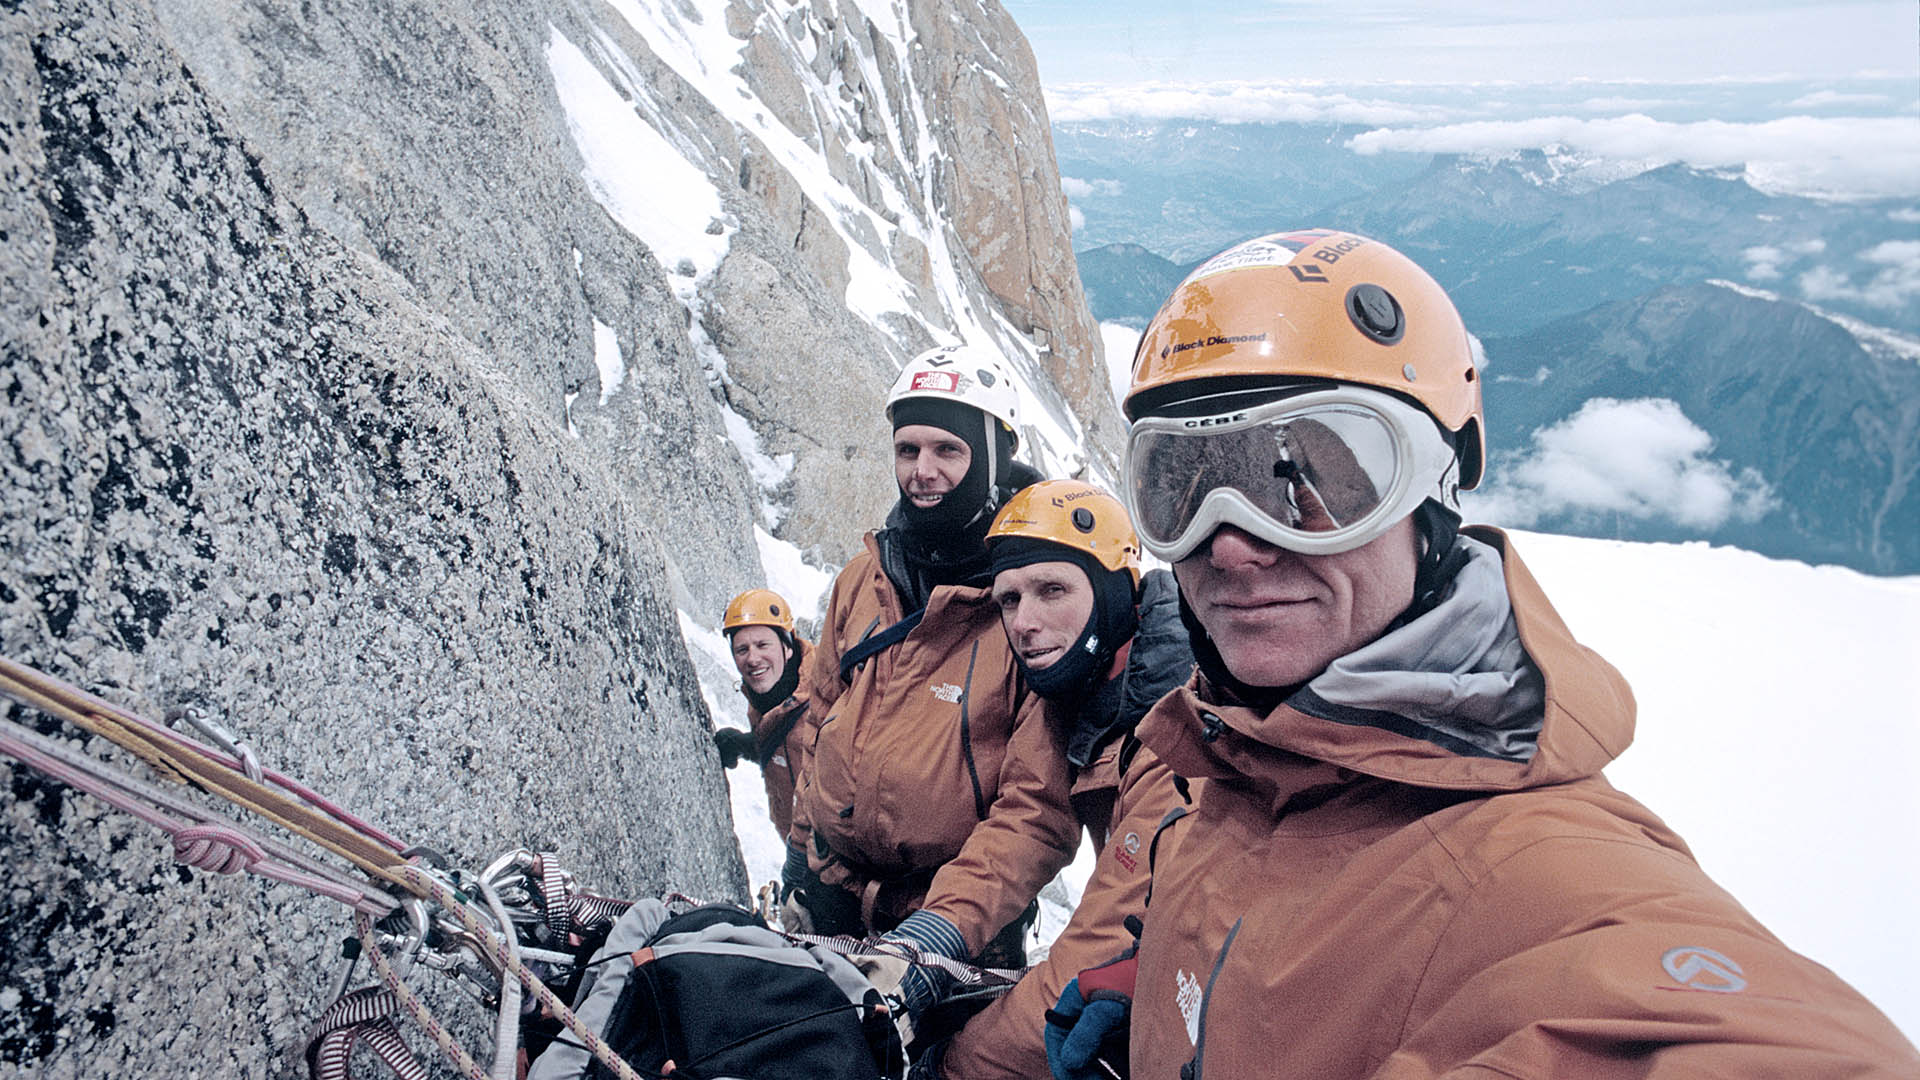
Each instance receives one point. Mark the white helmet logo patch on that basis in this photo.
(945, 381)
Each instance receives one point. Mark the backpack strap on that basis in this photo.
(885, 639)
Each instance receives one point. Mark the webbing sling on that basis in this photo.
(885, 639)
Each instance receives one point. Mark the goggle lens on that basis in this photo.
(1315, 470)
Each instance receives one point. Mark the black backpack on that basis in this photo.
(713, 994)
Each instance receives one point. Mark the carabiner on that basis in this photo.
(221, 737)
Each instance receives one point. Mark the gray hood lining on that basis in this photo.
(1456, 676)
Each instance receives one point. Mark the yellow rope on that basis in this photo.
(83, 710)
(40, 691)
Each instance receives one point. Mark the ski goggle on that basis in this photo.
(1318, 473)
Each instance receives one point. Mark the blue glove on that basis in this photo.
(1085, 1037)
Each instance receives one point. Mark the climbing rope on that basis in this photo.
(451, 914)
(200, 838)
(277, 798)
(211, 842)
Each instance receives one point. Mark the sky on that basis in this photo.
(1468, 41)
(1814, 98)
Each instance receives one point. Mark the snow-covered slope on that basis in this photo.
(1779, 733)
(850, 133)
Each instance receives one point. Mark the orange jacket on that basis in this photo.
(1349, 898)
(930, 760)
(783, 760)
(1004, 1041)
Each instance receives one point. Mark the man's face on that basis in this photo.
(929, 462)
(759, 656)
(1280, 618)
(1043, 607)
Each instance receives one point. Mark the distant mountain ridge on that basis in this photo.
(1829, 419)
(1125, 283)
(1515, 250)
(1595, 270)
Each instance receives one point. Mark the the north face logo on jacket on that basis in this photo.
(1189, 1001)
(947, 692)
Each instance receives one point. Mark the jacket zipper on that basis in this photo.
(966, 735)
(1194, 1068)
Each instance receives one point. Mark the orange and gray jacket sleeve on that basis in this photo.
(1028, 834)
(1004, 1041)
(1676, 980)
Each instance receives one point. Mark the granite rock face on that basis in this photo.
(252, 469)
(348, 393)
(1004, 197)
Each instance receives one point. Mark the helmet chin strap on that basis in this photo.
(992, 443)
(1440, 557)
(991, 504)
(995, 496)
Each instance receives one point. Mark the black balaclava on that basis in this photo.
(1110, 625)
(1440, 560)
(973, 495)
(783, 687)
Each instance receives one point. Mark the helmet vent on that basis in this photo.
(1376, 313)
(1083, 519)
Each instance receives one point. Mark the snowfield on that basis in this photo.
(1779, 733)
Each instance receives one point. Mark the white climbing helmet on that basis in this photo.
(966, 374)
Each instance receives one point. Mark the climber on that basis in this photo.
(768, 654)
(1100, 642)
(935, 802)
(1404, 859)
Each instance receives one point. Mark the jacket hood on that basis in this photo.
(1488, 691)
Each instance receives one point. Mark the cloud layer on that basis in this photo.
(1235, 103)
(1640, 459)
(1893, 284)
(1840, 156)
(1075, 188)
(1788, 143)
